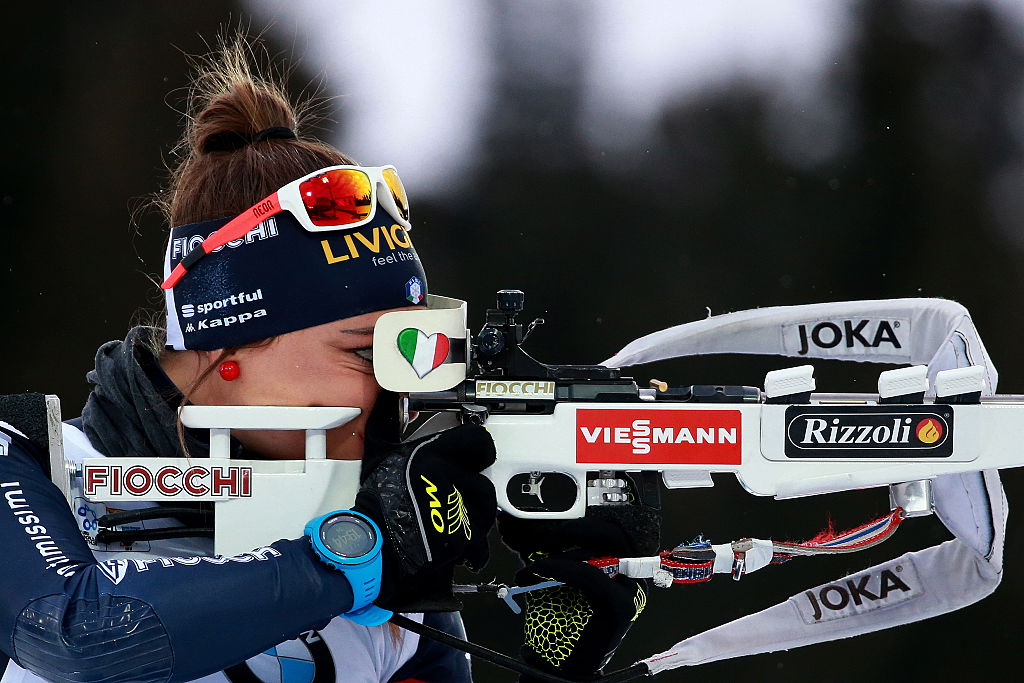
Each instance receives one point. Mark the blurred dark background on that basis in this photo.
(899, 174)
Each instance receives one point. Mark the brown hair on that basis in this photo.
(230, 95)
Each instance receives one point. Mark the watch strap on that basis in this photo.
(363, 577)
(365, 582)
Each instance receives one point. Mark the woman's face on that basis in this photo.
(317, 366)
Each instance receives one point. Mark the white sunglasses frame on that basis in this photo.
(290, 199)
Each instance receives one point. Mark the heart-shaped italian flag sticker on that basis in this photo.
(424, 352)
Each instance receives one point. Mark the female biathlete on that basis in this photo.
(269, 317)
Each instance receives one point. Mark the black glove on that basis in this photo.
(615, 530)
(576, 628)
(434, 509)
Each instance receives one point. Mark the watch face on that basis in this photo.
(348, 535)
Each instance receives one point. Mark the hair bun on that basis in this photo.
(234, 106)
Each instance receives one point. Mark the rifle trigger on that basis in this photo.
(532, 488)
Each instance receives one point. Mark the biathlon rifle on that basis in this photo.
(573, 436)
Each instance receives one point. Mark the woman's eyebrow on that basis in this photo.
(357, 330)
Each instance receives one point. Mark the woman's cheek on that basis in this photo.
(368, 392)
(355, 390)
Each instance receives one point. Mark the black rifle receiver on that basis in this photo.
(498, 347)
(496, 352)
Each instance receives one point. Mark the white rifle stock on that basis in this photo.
(936, 434)
(536, 450)
(558, 428)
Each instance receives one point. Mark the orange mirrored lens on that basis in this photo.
(337, 197)
(397, 191)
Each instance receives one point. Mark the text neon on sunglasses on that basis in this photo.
(333, 198)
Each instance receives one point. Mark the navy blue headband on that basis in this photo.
(281, 278)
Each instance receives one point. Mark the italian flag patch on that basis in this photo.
(423, 352)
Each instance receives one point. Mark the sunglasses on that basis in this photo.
(333, 198)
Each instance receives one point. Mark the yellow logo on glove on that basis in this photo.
(457, 514)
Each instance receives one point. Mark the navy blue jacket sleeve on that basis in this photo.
(65, 616)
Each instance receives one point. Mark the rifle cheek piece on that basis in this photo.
(422, 350)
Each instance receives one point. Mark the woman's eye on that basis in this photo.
(365, 353)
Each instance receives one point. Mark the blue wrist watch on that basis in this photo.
(351, 542)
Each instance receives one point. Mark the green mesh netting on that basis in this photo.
(555, 619)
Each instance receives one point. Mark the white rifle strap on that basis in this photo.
(936, 332)
(915, 586)
(910, 588)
